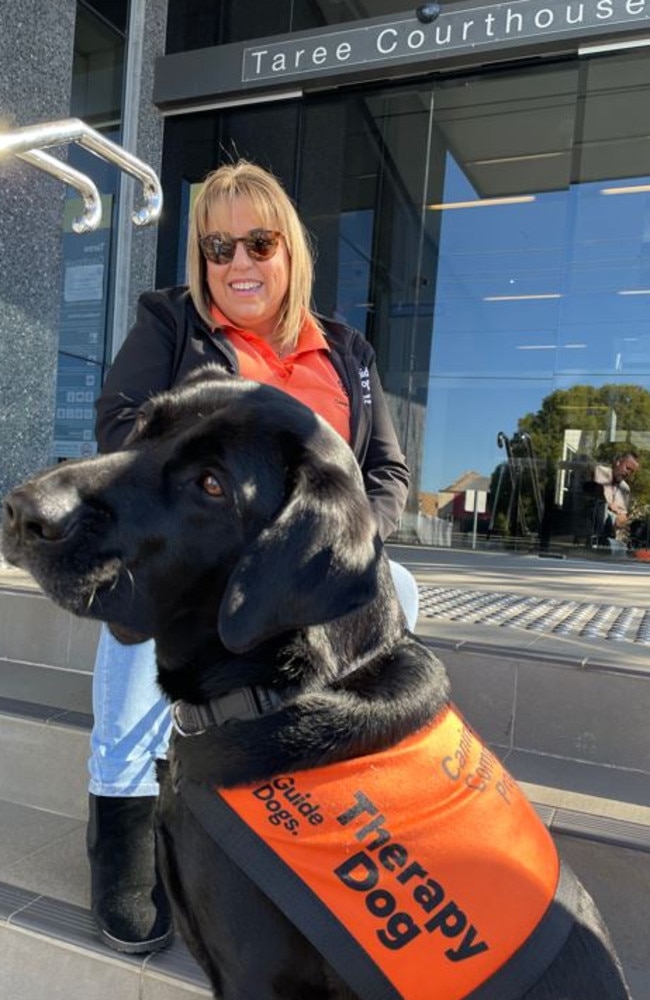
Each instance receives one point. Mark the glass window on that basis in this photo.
(98, 62)
(539, 375)
(196, 24)
(197, 144)
(98, 69)
(489, 234)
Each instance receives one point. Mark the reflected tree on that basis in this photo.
(573, 430)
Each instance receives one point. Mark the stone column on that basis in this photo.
(36, 46)
(143, 136)
(36, 59)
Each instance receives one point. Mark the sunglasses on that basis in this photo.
(259, 244)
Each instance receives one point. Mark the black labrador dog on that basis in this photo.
(234, 528)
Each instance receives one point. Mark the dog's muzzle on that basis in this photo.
(240, 704)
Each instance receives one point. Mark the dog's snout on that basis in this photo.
(27, 516)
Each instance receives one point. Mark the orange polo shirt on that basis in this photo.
(307, 373)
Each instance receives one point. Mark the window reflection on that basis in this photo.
(489, 235)
(539, 361)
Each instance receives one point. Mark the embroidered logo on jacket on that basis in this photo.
(364, 378)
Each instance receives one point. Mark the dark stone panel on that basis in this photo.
(36, 43)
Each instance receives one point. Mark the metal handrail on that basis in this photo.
(92, 213)
(27, 141)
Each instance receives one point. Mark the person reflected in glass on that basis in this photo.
(610, 484)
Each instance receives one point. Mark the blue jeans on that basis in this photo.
(132, 718)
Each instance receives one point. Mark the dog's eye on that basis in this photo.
(211, 485)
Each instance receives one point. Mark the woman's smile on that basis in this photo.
(251, 293)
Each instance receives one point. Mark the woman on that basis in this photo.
(247, 309)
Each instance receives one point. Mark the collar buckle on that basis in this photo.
(243, 704)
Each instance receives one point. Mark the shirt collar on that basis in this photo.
(310, 338)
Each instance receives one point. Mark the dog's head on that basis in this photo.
(229, 497)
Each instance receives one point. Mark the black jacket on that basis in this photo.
(169, 340)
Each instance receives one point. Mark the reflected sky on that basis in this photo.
(531, 297)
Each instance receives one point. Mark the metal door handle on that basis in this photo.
(92, 213)
(27, 143)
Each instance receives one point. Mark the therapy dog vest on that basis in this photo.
(427, 856)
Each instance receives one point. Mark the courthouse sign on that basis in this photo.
(462, 34)
(455, 30)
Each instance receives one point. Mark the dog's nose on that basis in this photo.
(27, 516)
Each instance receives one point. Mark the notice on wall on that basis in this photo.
(82, 332)
(77, 387)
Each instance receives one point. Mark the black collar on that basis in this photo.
(242, 703)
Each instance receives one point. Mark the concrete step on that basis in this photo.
(574, 709)
(44, 752)
(48, 949)
(570, 723)
(46, 938)
(46, 655)
(44, 919)
(586, 700)
(47, 935)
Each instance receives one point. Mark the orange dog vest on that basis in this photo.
(427, 854)
(418, 871)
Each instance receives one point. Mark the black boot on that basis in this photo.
(128, 901)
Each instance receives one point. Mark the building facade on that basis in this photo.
(476, 180)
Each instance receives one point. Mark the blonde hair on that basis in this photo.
(275, 209)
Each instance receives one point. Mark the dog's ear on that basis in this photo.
(316, 561)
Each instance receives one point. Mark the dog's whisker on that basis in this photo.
(131, 580)
(91, 598)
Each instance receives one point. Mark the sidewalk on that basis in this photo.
(610, 602)
(517, 602)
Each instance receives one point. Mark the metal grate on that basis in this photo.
(538, 614)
